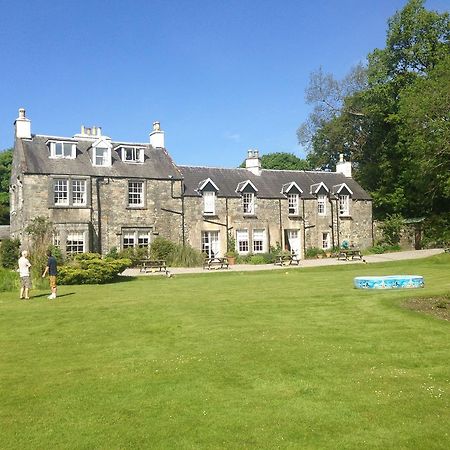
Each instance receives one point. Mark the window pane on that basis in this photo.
(242, 241)
(101, 155)
(58, 149)
(60, 192)
(209, 202)
(247, 199)
(136, 193)
(75, 243)
(79, 192)
(67, 150)
(258, 241)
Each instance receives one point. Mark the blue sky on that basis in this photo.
(220, 76)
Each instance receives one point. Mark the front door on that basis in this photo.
(210, 243)
(293, 242)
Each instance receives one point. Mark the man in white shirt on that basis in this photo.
(24, 273)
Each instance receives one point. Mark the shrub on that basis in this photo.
(9, 253)
(161, 248)
(9, 280)
(185, 257)
(392, 229)
(383, 248)
(313, 252)
(257, 259)
(113, 253)
(90, 268)
(134, 254)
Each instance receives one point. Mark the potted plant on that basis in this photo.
(231, 253)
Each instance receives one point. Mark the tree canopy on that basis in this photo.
(282, 161)
(5, 174)
(391, 117)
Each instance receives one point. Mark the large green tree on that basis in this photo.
(391, 127)
(5, 174)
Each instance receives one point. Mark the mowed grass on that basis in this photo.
(275, 359)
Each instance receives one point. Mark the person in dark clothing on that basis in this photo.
(52, 271)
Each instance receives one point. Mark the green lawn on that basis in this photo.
(262, 360)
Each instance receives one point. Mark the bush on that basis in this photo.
(161, 248)
(134, 254)
(383, 248)
(392, 229)
(113, 253)
(90, 268)
(9, 280)
(313, 252)
(9, 253)
(436, 231)
(185, 257)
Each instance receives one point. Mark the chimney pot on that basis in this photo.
(22, 125)
(157, 136)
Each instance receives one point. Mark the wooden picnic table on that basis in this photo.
(152, 265)
(347, 254)
(215, 263)
(287, 260)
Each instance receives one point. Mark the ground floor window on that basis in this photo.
(75, 242)
(259, 241)
(242, 241)
(135, 237)
(210, 243)
(326, 241)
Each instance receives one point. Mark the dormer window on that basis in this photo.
(101, 152)
(248, 202)
(293, 204)
(322, 205)
(132, 154)
(209, 203)
(101, 156)
(62, 150)
(344, 205)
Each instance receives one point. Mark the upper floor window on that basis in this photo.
(322, 205)
(133, 154)
(209, 203)
(69, 192)
(248, 202)
(102, 156)
(258, 241)
(61, 192)
(62, 150)
(135, 193)
(344, 205)
(293, 204)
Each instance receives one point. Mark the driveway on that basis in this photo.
(385, 257)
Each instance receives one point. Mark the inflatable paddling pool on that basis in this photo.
(389, 282)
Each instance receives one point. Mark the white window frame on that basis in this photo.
(78, 192)
(209, 203)
(248, 203)
(136, 191)
(105, 158)
(322, 205)
(210, 243)
(344, 205)
(242, 242)
(71, 147)
(259, 241)
(75, 242)
(293, 203)
(326, 243)
(61, 191)
(136, 238)
(137, 154)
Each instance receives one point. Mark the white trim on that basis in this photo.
(53, 154)
(288, 186)
(204, 183)
(319, 185)
(102, 143)
(341, 186)
(137, 150)
(243, 184)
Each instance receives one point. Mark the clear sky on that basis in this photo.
(221, 76)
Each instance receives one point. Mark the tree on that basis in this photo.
(5, 174)
(282, 161)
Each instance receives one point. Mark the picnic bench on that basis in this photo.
(152, 265)
(349, 254)
(215, 263)
(287, 260)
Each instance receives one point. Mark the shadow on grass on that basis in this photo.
(59, 296)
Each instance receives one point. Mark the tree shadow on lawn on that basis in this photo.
(59, 296)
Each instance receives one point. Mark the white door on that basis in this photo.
(210, 243)
(294, 242)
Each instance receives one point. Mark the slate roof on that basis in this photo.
(35, 160)
(269, 183)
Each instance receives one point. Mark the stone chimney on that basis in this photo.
(344, 167)
(253, 162)
(22, 126)
(157, 136)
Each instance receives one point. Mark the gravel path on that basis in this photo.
(397, 256)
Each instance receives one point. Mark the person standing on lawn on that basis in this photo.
(52, 271)
(24, 273)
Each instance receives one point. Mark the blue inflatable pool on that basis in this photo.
(389, 282)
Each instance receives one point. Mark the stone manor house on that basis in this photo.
(101, 193)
